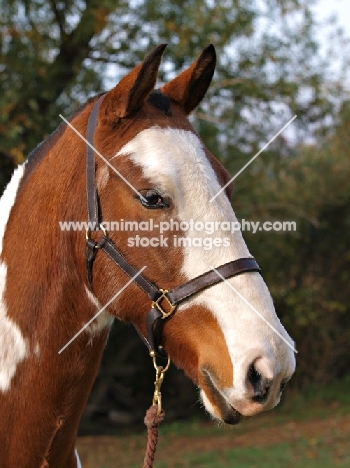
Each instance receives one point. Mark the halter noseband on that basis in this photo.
(164, 302)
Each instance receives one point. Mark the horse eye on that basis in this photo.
(152, 199)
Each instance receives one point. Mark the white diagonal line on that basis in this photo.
(254, 309)
(101, 310)
(102, 157)
(254, 157)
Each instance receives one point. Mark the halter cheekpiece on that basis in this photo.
(163, 302)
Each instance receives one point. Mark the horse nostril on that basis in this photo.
(254, 376)
(261, 385)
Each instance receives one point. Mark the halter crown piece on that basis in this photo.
(163, 302)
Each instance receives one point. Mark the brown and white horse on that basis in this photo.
(239, 359)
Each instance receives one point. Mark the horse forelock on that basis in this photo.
(160, 101)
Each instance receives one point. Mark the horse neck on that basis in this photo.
(45, 303)
(45, 265)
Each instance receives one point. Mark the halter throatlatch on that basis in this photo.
(163, 302)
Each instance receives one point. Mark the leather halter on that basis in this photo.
(164, 302)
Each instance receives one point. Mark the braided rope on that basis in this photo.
(152, 421)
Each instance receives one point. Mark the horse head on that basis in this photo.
(161, 184)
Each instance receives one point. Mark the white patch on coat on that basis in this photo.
(102, 177)
(78, 459)
(13, 346)
(37, 350)
(103, 320)
(8, 199)
(176, 163)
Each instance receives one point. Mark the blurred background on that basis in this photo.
(276, 58)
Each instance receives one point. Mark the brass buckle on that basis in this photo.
(157, 304)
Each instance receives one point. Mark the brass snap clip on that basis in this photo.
(160, 372)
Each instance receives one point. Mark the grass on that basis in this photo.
(299, 454)
(309, 430)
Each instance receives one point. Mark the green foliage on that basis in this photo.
(6, 168)
(55, 54)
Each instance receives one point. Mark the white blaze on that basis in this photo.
(175, 161)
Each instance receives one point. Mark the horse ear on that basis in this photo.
(189, 88)
(130, 93)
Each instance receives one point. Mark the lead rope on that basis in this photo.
(155, 414)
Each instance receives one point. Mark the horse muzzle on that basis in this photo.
(222, 405)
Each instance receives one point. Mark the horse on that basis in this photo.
(129, 155)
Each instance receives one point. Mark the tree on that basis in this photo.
(7, 167)
(54, 54)
(44, 48)
(308, 270)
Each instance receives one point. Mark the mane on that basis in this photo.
(160, 101)
(156, 99)
(39, 152)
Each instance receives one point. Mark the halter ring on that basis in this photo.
(100, 228)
